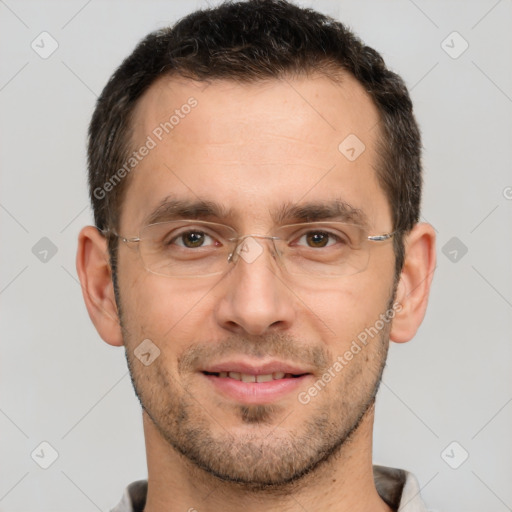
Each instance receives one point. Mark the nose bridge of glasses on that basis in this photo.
(249, 249)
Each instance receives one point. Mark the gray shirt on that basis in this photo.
(398, 488)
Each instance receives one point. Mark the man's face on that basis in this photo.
(254, 150)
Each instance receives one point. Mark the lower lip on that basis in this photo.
(256, 392)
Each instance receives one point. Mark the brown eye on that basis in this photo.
(193, 239)
(317, 239)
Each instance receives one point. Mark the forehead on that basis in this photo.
(254, 147)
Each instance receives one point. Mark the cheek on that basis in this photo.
(342, 310)
(171, 312)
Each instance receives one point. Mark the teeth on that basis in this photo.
(264, 378)
(246, 377)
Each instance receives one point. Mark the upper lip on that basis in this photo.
(255, 368)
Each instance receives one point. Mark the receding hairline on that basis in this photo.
(330, 70)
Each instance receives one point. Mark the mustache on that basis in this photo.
(274, 345)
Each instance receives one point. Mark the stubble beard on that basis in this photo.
(264, 456)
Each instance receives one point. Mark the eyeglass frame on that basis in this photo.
(136, 239)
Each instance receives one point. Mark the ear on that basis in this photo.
(415, 280)
(94, 272)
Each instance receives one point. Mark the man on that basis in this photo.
(255, 177)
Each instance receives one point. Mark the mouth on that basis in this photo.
(252, 384)
(248, 377)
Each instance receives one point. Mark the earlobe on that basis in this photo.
(94, 272)
(415, 281)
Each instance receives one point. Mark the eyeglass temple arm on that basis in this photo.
(108, 231)
(380, 238)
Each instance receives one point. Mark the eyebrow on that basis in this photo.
(175, 209)
(335, 210)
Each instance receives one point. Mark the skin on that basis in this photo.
(254, 148)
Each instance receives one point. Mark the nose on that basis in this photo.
(255, 297)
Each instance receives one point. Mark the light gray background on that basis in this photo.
(61, 384)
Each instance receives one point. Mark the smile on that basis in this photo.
(250, 383)
(247, 377)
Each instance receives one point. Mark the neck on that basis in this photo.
(342, 483)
